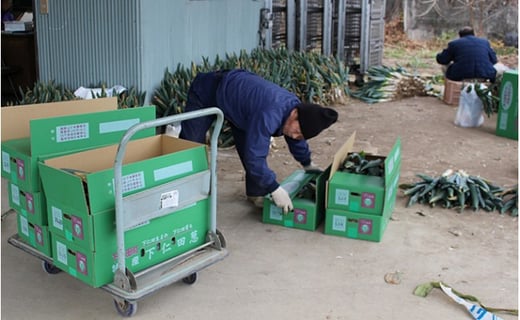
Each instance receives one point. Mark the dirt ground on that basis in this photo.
(475, 252)
(274, 272)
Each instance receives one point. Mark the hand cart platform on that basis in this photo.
(129, 287)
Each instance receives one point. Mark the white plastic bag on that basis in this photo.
(470, 111)
(86, 93)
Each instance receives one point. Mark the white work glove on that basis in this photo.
(281, 199)
(312, 168)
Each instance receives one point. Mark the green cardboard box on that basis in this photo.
(363, 226)
(146, 245)
(308, 213)
(78, 203)
(354, 225)
(31, 205)
(37, 236)
(507, 118)
(362, 193)
(56, 136)
(16, 123)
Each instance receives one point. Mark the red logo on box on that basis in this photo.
(39, 235)
(20, 169)
(300, 216)
(364, 226)
(30, 202)
(368, 200)
(77, 227)
(81, 263)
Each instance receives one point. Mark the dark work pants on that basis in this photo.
(202, 94)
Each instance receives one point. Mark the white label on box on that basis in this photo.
(15, 194)
(507, 95)
(290, 186)
(133, 181)
(299, 176)
(72, 132)
(170, 199)
(24, 225)
(57, 218)
(116, 126)
(390, 165)
(391, 189)
(6, 162)
(339, 223)
(503, 121)
(342, 197)
(275, 213)
(61, 252)
(172, 171)
(396, 154)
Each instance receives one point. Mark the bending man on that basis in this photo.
(257, 109)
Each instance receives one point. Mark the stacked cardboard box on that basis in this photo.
(18, 163)
(360, 206)
(33, 133)
(352, 205)
(163, 175)
(507, 119)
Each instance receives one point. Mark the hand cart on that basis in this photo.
(128, 287)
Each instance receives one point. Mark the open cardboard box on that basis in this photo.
(16, 147)
(309, 212)
(360, 206)
(55, 136)
(361, 193)
(79, 187)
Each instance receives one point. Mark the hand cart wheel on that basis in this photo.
(221, 238)
(190, 279)
(50, 268)
(125, 308)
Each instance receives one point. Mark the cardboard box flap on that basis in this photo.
(393, 161)
(70, 187)
(341, 154)
(82, 131)
(15, 120)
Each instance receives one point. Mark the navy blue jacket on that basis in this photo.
(472, 57)
(257, 110)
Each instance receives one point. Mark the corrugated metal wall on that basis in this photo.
(132, 42)
(81, 43)
(184, 31)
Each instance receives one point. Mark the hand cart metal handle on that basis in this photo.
(118, 165)
(127, 288)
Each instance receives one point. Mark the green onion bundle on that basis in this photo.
(458, 190)
(389, 84)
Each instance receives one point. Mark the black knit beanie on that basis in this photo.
(314, 118)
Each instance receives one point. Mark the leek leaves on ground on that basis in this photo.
(388, 84)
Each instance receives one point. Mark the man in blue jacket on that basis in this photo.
(257, 109)
(468, 57)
